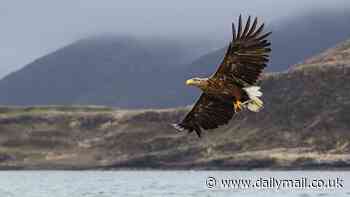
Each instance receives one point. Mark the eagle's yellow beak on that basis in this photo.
(189, 82)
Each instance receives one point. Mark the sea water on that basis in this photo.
(174, 183)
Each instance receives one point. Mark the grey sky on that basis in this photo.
(30, 29)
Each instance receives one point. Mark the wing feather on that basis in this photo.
(252, 29)
(239, 27)
(209, 112)
(233, 31)
(247, 54)
(246, 28)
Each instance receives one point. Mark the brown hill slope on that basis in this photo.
(337, 56)
(305, 124)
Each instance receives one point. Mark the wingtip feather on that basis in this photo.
(247, 27)
(178, 127)
(239, 27)
(233, 31)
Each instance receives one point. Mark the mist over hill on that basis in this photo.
(105, 70)
(293, 40)
(127, 72)
(306, 35)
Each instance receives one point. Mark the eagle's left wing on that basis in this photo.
(209, 112)
(247, 54)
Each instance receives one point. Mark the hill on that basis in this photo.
(127, 72)
(304, 124)
(107, 70)
(336, 56)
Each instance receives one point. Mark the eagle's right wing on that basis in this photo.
(209, 112)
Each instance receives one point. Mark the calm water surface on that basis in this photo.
(159, 183)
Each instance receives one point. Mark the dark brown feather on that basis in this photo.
(209, 112)
(239, 27)
(233, 31)
(246, 28)
(252, 29)
(247, 54)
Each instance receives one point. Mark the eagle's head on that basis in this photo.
(198, 82)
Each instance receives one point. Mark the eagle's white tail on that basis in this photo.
(254, 104)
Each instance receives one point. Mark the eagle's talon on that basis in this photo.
(237, 105)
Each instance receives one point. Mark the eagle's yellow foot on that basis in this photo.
(237, 105)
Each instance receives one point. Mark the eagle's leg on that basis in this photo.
(237, 104)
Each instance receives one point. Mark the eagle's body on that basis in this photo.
(220, 88)
(232, 87)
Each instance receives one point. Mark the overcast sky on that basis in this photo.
(30, 29)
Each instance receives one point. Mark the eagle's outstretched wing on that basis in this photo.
(246, 55)
(209, 112)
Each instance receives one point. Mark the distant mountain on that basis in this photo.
(134, 73)
(101, 70)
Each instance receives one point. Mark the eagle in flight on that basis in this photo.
(233, 86)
